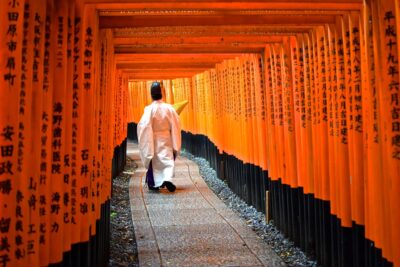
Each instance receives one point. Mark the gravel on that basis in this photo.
(268, 232)
(123, 248)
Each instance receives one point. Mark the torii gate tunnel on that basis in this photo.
(294, 100)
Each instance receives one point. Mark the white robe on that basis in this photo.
(159, 135)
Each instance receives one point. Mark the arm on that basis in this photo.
(175, 132)
(145, 138)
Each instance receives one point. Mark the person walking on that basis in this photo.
(159, 137)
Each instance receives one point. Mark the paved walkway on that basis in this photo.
(192, 226)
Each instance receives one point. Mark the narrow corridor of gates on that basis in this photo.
(294, 103)
(191, 227)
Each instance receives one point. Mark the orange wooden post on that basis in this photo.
(96, 133)
(76, 126)
(248, 110)
(333, 116)
(108, 112)
(189, 108)
(52, 227)
(343, 172)
(297, 65)
(37, 217)
(42, 107)
(260, 110)
(24, 162)
(68, 107)
(374, 218)
(387, 17)
(257, 144)
(253, 137)
(279, 122)
(315, 105)
(202, 86)
(290, 133)
(356, 125)
(308, 81)
(58, 118)
(96, 201)
(242, 97)
(211, 106)
(206, 100)
(227, 87)
(195, 107)
(85, 153)
(11, 34)
(234, 107)
(221, 116)
(270, 104)
(322, 113)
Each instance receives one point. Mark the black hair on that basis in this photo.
(155, 91)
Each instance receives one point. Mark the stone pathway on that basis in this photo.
(192, 226)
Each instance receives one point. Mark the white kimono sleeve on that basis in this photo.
(145, 138)
(175, 131)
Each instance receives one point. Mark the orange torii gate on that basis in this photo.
(299, 98)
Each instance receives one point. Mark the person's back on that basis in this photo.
(159, 137)
(161, 116)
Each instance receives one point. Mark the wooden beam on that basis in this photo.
(171, 20)
(226, 5)
(173, 58)
(207, 40)
(201, 45)
(216, 12)
(154, 78)
(157, 75)
(167, 70)
(158, 65)
(190, 50)
(165, 39)
(224, 30)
